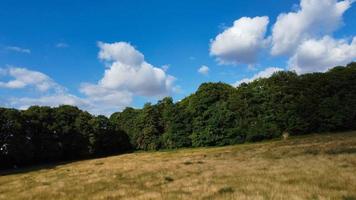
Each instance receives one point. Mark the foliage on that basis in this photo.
(44, 134)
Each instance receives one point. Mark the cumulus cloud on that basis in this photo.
(262, 74)
(203, 70)
(242, 42)
(105, 100)
(165, 67)
(305, 35)
(3, 72)
(50, 93)
(18, 49)
(127, 74)
(314, 18)
(122, 52)
(48, 100)
(320, 55)
(22, 77)
(105, 105)
(128, 71)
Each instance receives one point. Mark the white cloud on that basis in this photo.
(165, 67)
(262, 74)
(50, 93)
(320, 55)
(203, 70)
(18, 49)
(128, 71)
(105, 100)
(104, 104)
(3, 72)
(47, 100)
(22, 77)
(127, 74)
(242, 42)
(62, 45)
(314, 19)
(122, 52)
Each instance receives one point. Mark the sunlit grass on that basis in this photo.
(308, 167)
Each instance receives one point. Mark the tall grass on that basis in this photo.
(311, 167)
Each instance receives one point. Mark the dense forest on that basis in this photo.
(217, 114)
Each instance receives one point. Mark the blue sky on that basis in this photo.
(52, 48)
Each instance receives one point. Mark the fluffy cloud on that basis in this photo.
(50, 93)
(315, 18)
(262, 74)
(105, 104)
(18, 49)
(242, 42)
(320, 55)
(128, 71)
(127, 74)
(22, 77)
(48, 100)
(104, 100)
(165, 67)
(203, 70)
(121, 52)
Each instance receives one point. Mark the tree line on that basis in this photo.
(44, 134)
(216, 114)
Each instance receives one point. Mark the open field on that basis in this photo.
(308, 167)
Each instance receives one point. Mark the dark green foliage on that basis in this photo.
(176, 125)
(106, 138)
(72, 144)
(149, 123)
(262, 130)
(39, 127)
(217, 114)
(127, 121)
(15, 146)
(44, 134)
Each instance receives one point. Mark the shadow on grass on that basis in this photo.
(293, 140)
(32, 168)
(50, 165)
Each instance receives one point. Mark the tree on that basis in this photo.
(72, 144)
(15, 146)
(127, 121)
(150, 124)
(38, 122)
(106, 139)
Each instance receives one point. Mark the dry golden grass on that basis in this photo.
(310, 167)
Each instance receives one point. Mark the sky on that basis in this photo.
(103, 56)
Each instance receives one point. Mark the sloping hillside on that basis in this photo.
(308, 167)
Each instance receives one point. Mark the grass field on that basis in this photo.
(308, 167)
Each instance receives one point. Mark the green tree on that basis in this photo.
(71, 142)
(38, 122)
(106, 138)
(15, 146)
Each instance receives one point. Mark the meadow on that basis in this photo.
(317, 166)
